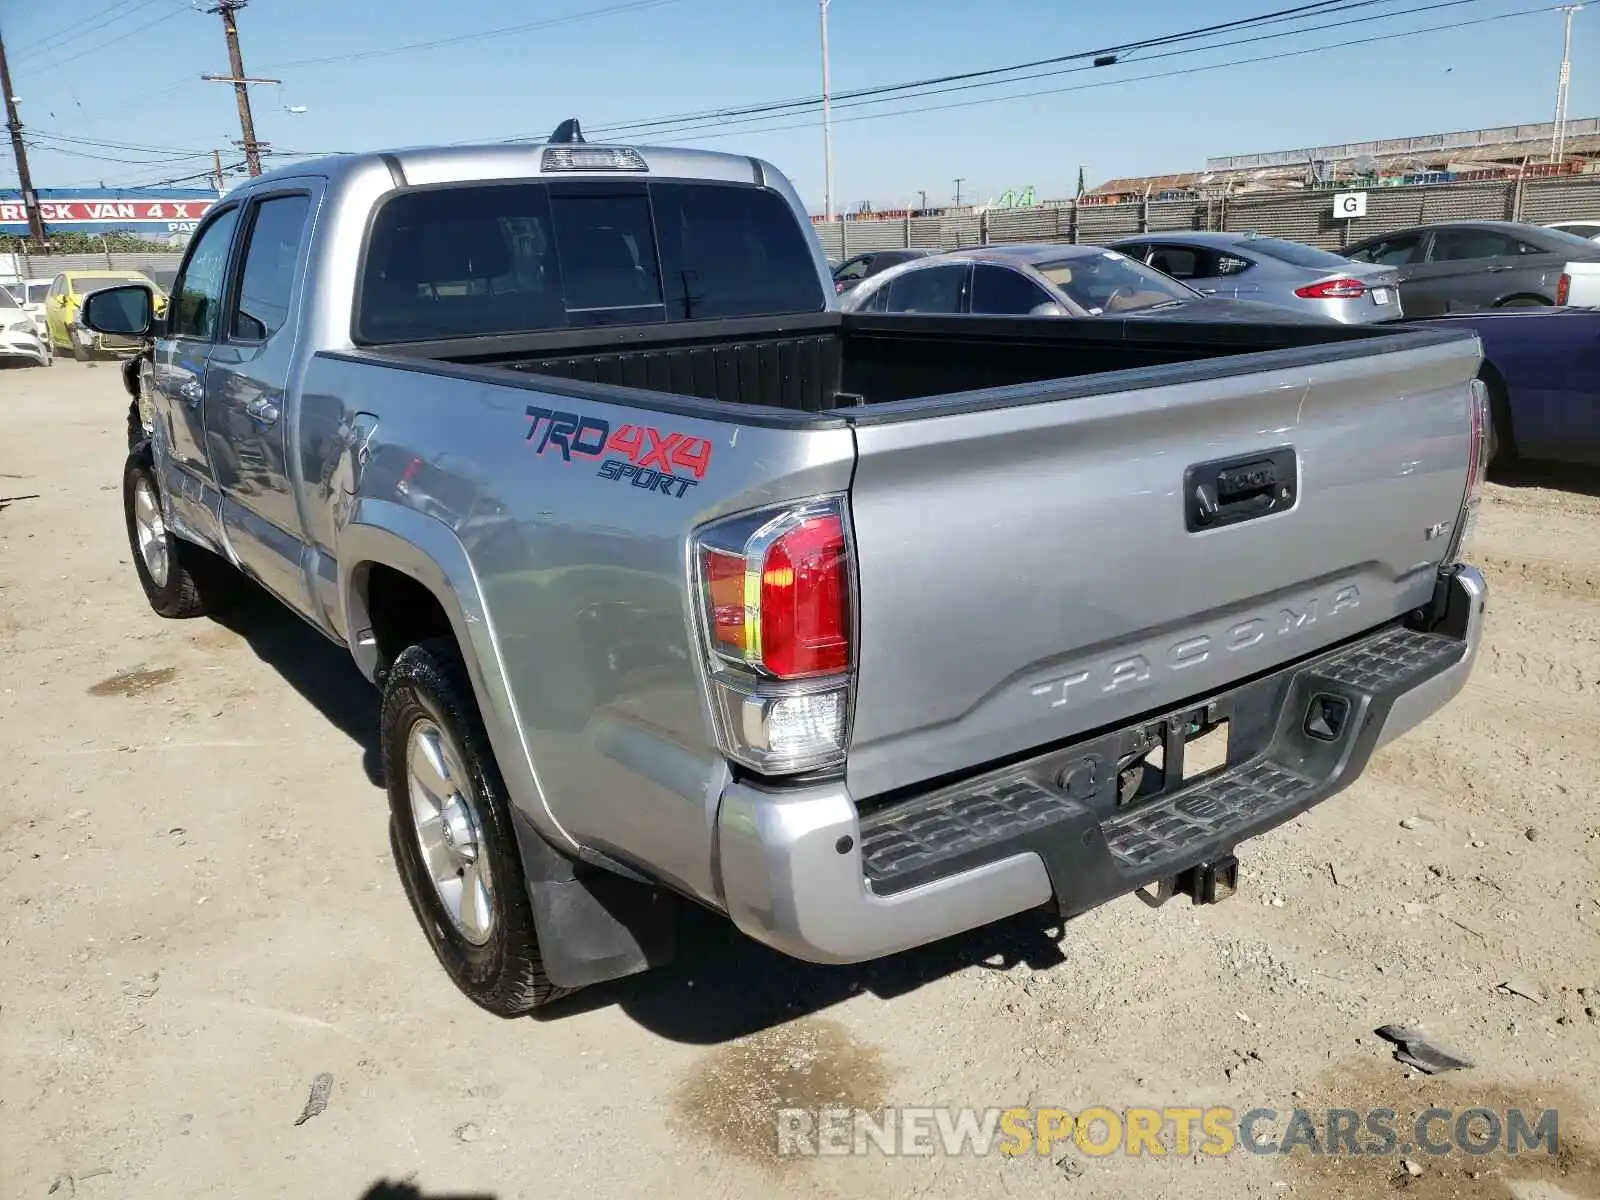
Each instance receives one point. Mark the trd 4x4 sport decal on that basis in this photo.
(637, 454)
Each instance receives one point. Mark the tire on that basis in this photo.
(79, 354)
(498, 964)
(194, 581)
(1524, 302)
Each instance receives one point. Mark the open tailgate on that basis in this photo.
(1039, 570)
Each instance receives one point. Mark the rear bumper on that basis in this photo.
(802, 871)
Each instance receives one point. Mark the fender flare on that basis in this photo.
(382, 533)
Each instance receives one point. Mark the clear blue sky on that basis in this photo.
(126, 71)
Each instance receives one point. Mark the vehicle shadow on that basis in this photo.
(406, 1190)
(723, 985)
(1585, 481)
(314, 667)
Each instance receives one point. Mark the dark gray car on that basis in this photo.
(1461, 266)
(863, 266)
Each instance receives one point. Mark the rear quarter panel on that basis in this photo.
(576, 582)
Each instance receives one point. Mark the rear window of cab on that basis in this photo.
(486, 259)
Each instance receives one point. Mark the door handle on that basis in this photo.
(192, 391)
(262, 410)
(1239, 489)
(1496, 268)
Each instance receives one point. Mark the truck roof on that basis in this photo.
(520, 160)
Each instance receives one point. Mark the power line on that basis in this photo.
(88, 25)
(1320, 8)
(1176, 73)
(688, 125)
(546, 23)
(98, 46)
(52, 136)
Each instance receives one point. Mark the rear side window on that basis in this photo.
(270, 258)
(929, 290)
(529, 257)
(1297, 255)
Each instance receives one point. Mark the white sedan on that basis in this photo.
(19, 336)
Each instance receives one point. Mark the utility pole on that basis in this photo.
(959, 181)
(923, 193)
(241, 82)
(30, 198)
(1558, 138)
(216, 165)
(827, 121)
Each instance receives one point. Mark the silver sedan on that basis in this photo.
(1045, 280)
(1269, 270)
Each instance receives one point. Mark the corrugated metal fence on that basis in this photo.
(1302, 217)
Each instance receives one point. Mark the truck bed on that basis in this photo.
(845, 360)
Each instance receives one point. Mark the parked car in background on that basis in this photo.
(34, 292)
(162, 277)
(63, 301)
(1542, 368)
(1473, 265)
(852, 271)
(1245, 266)
(1045, 280)
(1583, 229)
(19, 337)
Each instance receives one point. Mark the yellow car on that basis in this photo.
(65, 299)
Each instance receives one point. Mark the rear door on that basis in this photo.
(1028, 573)
(245, 384)
(194, 320)
(1467, 269)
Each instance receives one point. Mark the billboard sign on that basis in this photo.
(157, 214)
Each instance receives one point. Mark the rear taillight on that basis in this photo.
(775, 594)
(1477, 469)
(1333, 289)
(1563, 288)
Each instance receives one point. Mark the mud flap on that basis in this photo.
(593, 924)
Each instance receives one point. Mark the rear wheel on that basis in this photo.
(450, 826)
(1524, 302)
(179, 578)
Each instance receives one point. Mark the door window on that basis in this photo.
(196, 306)
(852, 271)
(1457, 245)
(1391, 252)
(932, 290)
(1000, 291)
(271, 254)
(1183, 262)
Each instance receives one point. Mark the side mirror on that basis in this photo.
(125, 311)
(1048, 309)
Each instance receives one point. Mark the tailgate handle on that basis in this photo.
(1231, 490)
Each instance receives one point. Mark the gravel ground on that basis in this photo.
(201, 916)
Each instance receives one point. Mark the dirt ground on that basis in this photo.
(199, 915)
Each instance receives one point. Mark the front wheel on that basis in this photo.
(179, 578)
(450, 826)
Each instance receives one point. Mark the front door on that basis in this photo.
(245, 381)
(194, 319)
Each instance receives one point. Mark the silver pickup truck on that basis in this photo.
(863, 630)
